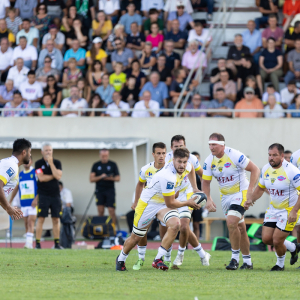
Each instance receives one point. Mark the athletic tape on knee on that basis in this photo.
(234, 213)
(171, 214)
(185, 214)
(139, 232)
(162, 224)
(241, 221)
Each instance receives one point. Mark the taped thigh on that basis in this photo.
(171, 214)
(185, 214)
(139, 232)
(235, 214)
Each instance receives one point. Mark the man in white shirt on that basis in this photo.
(148, 4)
(56, 36)
(111, 9)
(31, 34)
(27, 52)
(4, 5)
(32, 90)
(72, 103)
(171, 5)
(287, 94)
(6, 53)
(144, 104)
(18, 73)
(66, 196)
(117, 104)
(200, 34)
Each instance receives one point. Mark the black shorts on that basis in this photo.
(106, 198)
(274, 225)
(45, 203)
(197, 215)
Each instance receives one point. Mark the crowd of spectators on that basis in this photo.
(124, 54)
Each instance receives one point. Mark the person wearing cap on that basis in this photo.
(130, 17)
(183, 17)
(56, 36)
(172, 4)
(17, 102)
(228, 166)
(31, 34)
(96, 52)
(249, 102)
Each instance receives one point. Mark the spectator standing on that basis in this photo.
(291, 35)
(45, 71)
(47, 103)
(288, 93)
(117, 104)
(54, 53)
(17, 102)
(143, 104)
(136, 40)
(183, 17)
(6, 54)
(96, 52)
(6, 33)
(105, 173)
(266, 7)
(121, 54)
(294, 105)
(228, 85)
(18, 73)
(270, 63)
(111, 9)
(147, 59)
(6, 92)
(293, 59)
(102, 26)
(118, 78)
(270, 91)
(249, 102)
(200, 34)
(172, 58)
(105, 90)
(176, 35)
(42, 19)
(136, 71)
(13, 22)
(25, 8)
(163, 70)
(31, 34)
(273, 31)
(77, 53)
(49, 172)
(56, 36)
(155, 38)
(153, 18)
(220, 102)
(195, 104)
(190, 58)
(131, 17)
(130, 93)
(272, 109)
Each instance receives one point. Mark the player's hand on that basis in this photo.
(14, 212)
(197, 191)
(292, 216)
(248, 204)
(191, 203)
(211, 206)
(34, 203)
(133, 206)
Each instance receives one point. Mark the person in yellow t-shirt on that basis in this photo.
(118, 79)
(101, 26)
(96, 52)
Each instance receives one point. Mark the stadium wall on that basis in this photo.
(251, 136)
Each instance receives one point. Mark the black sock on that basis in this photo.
(56, 241)
(37, 241)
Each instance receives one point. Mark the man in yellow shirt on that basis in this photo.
(118, 78)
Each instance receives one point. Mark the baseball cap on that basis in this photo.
(249, 89)
(97, 40)
(180, 3)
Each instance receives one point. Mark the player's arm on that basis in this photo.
(200, 172)
(94, 178)
(210, 205)
(13, 194)
(192, 179)
(255, 172)
(112, 178)
(138, 191)
(257, 193)
(172, 203)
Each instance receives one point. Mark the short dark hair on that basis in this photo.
(296, 24)
(17, 92)
(217, 136)
(288, 152)
(272, 16)
(293, 82)
(153, 11)
(26, 20)
(220, 90)
(271, 38)
(181, 153)
(196, 153)
(198, 23)
(31, 72)
(20, 145)
(271, 85)
(158, 145)
(60, 183)
(39, 5)
(248, 57)
(278, 146)
(177, 138)
(23, 37)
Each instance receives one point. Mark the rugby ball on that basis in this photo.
(200, 198)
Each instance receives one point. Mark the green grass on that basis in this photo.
(90, 274)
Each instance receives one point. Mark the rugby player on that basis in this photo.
(158, 200)
(228, 166)
(9, 170)
(282, 180)
(159, 151)
(185, 213)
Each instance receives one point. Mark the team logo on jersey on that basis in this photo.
(43, 167)
(140, 172)
(220, 169)
(227, 165)
(273, 180)
(170, 186)
(213, 166)
(297, 177)
(204, 166)
(10, 172)
(274, 172)
(291, 160)
(31, 176)
(241, 158)
(149, 174)
(108, 168)
(219, 161)
(281, 178)
(99, 168)
(267, 175)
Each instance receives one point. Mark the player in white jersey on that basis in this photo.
(146, 174)
(158, 200)
(282, 180)
(228, 166)
(185, 213)
(9, 170)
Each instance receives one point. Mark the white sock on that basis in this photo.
(168, 254)
(142, 251)
(181, 250)
(200, 251)
(29, 238)
(122, 256)
(161, 252)
(290, 246)
(280, 260)
(235, 254)
(247, 259)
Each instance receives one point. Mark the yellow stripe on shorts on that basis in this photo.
(141, 206)
(244, 199)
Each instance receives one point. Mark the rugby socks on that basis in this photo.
(290, 246)
(168, 254)
(235, 254)
(161, 252)
(200, 251)
(247, 259)
(37, 241)
(280, 260)
(122, 256)
(56, 241)
(181, 250)
(29, 238)
(142, 251)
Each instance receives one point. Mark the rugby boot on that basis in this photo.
(277, 268)
(159, 264)
(294, 255)
(120, 265)
(246, 267)
(205, 260)
(137, 266)
(233, 265)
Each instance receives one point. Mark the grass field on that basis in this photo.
(90, 274)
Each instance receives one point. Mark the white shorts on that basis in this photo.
(235, 199)
(185, 211)
(29, 211)
(278, 218)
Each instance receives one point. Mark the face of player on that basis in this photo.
(26, 156)
(180, 164)
(177, 144)
(275, 158)
(159, 156)
(46, 152)
(104, 156)
(216, 149)
(27, 166)
(287, 156)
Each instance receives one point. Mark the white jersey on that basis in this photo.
(166, 182)
(295, 159)
(229, 170)
(9, 171)
(147, 173)
(282, 184)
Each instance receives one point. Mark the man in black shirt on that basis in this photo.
(49, 172)
(266, 7)
(291, 36)
(161, 68)
(105, 173)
